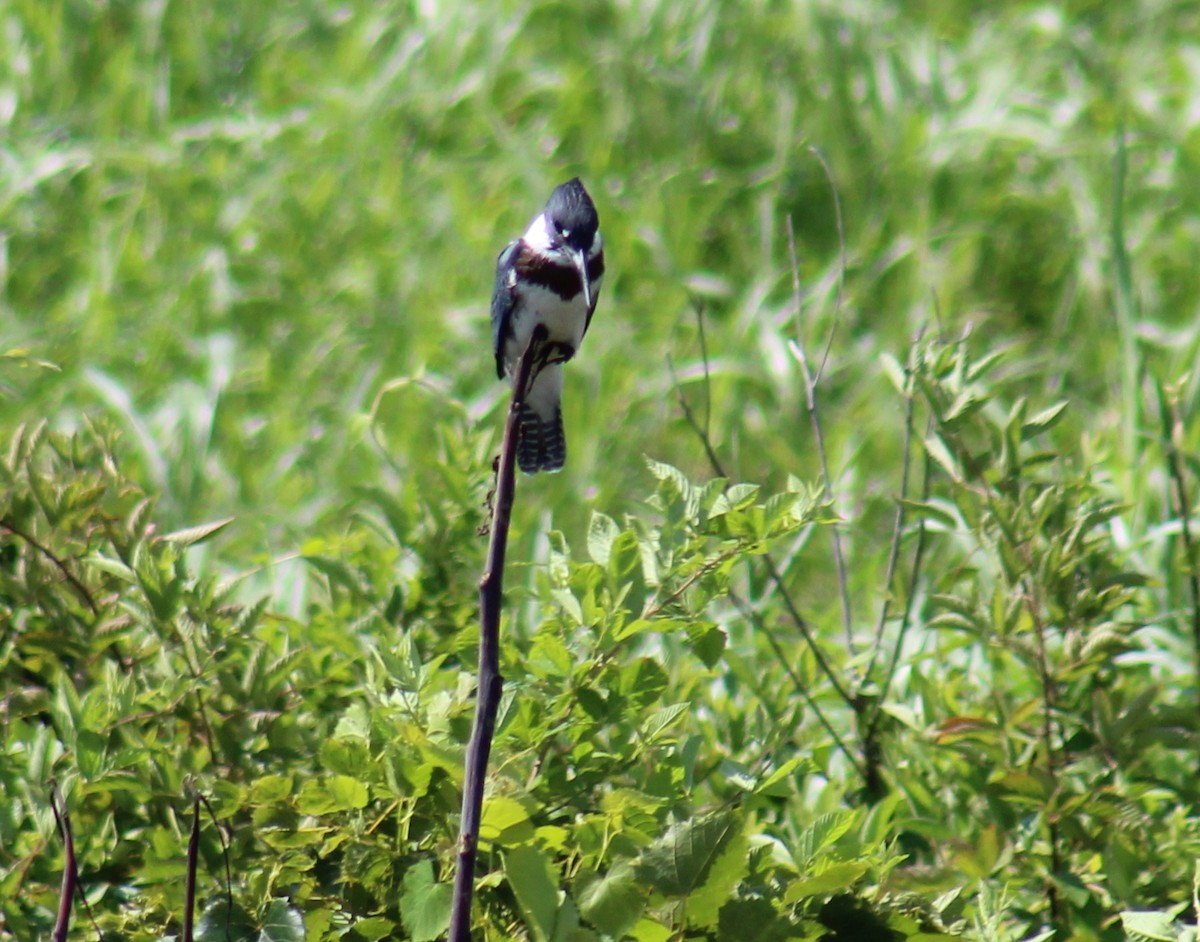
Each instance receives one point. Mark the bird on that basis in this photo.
(551, 275)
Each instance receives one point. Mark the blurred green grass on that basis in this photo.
(239, 229)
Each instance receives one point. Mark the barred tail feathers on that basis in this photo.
(542, 443)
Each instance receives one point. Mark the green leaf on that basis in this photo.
(349, 794)
(602, 530)
(355, 723)
(650, 930)
(374, 928)
(335, 793)
(731, 864)
(894, 371)
(198, 534)
(661, 625)
(706, 641)
(1044, 420)
(750, 919)
(940, 453)
(112, 567)
(612, 903)
(736, 497)
(281, 923)
(643, 681)
(666, 472)
(625, 561)
(681, 859)
(965, 405)
(1149, 926)
(984, 365)
(933, 511)
(839, 876)
(91, 753)
(338, 573)
(662, 719)
(505, 821)
(272, 788)
(424, 903)
(534, 882)
(219, 923)
(824, 832)
(778, 784)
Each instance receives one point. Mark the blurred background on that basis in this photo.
(260, 238)
(256, 243)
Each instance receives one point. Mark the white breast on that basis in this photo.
(565, 320)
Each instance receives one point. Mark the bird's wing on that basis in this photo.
(504, 299)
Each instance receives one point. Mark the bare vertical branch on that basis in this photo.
(1172, 432)
(193, 863)
(914, 577)
(898, 530)
(225, 854)
(1049, 736)
(700, 428)
(704, 359)
(810, 398)
(70, 883)
(70, 880)
(841, 232)
(490, 683)
(793, 611)
(871, 721)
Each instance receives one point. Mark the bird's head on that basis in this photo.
(568, 230)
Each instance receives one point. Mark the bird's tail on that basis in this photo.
(542, 444)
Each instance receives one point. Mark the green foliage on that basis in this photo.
(248, 418)
(594, 817)
(1039, 729)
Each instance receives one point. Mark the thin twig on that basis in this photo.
(78, 586)
(699, 308)
(702, 432)
(806, 631)
(690, 417)
(228, 869)
(898, 524)
(747, 611)
(906, 618)
(206, 730)
(841, 232)
(193, 864)
(655, 606)
(490, 683)
(751, 614)
(1173, 434)
(872, 751)
(1048, 736)
(1124, 302)
(777, 577)
(700, 428)
(70, 883)
(810, 397)
(70, 880)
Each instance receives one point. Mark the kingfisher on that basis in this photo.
(550, 276)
